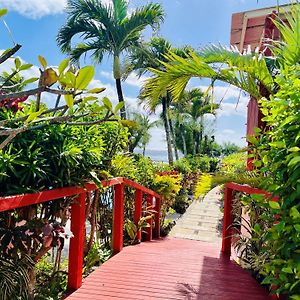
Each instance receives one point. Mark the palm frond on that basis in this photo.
(120, 10)
(287, 51)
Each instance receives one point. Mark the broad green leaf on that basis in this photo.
(90, 98)
(274, 205)
(69, 100)
(294, 149)
(30, 80)
(287, 270)
(107, 103)
(118, 107)
(294, 212)
(42, 61)
(3, 12)
(17, 63)
(63, 65)
(84, 77)
(69, 80)
(294, 161)
(33, 116)
(25, 67)
(297, 227)
(277, 144)
(96, 90)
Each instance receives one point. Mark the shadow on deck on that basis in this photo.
(170, 269)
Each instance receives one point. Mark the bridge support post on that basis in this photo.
(227, 223)
(76, 243)
(157, 218)
(118, 219)
(150, 221)
(138, 212)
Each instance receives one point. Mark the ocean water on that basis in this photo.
(156, 155)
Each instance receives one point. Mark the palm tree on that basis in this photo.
(140, 135)
(189, 113)
(146, 58)
(106, 29)
(253, 73)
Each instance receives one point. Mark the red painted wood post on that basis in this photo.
(227, 222)
(76, 243)
(138, 211)
(150, 221)
(118, 219)
(157, 218)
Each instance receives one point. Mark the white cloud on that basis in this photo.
(233, 102)
(36, 9)
(132, 79)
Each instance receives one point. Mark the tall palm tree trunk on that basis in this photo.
(167, 130)
(121, 98)
(173, 138)
(117, 76)
(183, 140)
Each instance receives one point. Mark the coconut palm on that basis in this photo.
(150, 55)
(189, 114)
(251, 72)
(140, 135)
(106, 29)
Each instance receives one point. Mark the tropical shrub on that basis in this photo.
(277, 153)
(203, 185)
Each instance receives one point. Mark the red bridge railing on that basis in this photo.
(229, 188)
(78, 216)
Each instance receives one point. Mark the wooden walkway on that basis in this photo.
(170, 269)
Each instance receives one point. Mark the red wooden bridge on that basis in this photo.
(157, 269)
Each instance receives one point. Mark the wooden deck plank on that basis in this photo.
(170, 269)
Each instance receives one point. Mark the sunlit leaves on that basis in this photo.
(84, 77)
(42, 61)
(3, 12)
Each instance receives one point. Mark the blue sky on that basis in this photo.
(35, 23)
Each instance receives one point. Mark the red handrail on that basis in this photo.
(228, 217)
(78, 214)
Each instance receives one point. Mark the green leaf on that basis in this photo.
(107, 103)
(17, 63)
(294, 161)
(118, 107)
(96, 90)
(274, 205)
(294, 149)
(84, 77)
(69, 100)
(25, 67)
(63, 65)
(30, 80)
(277, 144)
(3, 12)
(287, 270)
(33, 116)
(42, 61)
(297, 227)
(294, 212)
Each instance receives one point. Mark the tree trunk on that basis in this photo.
(121, 98)
(144, 150)
(117, 76)
(173, 139)
(167, 130)
(183, 141)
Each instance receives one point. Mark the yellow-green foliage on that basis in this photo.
(203, 185)
(167, 186)
(123, 166)
(234, 163)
